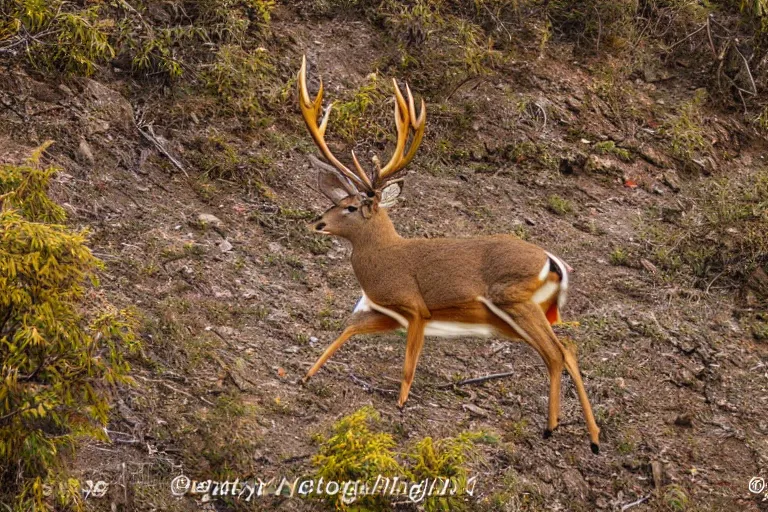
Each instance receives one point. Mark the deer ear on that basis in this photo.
(333, 185)
(390, 193)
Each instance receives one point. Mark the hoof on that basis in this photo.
(547, 433)
(304, 381)
(595, 448)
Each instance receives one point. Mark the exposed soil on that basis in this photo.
(674, 375)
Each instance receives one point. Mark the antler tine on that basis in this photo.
(418, 124)
(405, 119)
(310, 109)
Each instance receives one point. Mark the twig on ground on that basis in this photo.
(148, 133)
(370, 387)
(635, 503)
(476, 380)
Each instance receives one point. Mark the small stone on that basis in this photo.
(313, 340)
(210, 220)
(684, 420)
(224, 331)
(275, 247)
(221, 293)
(647, 265)
(66, 90)
(249, 293)
(601, 164)
(671, 180)
(477, 411)
(225, 246)
(649, 154)
(293, 349)
(84, 153)
(658, 474)
(529, 221)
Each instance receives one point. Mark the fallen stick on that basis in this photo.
(370, 387)
(150, 136)
(635, 503)
(476, 380)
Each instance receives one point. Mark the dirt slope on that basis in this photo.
(238, 307)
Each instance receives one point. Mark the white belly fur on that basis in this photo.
(435, 328)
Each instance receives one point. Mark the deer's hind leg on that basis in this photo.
(528, 322)
(364, 322)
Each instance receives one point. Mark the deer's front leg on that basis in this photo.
(368, 322)
(415, 341)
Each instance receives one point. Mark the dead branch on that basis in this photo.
(149, 134)
(476, 380)
(369, 387)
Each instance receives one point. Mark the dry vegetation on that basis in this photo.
(628, 137)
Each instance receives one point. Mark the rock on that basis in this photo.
(650, 155)
(647, 265)
(221, 293)
(84, 153)
(603, 165)
(225, 246)
(473, 409)
(658, 474)
(293, 349)
(684, 420)
(207, 219)
(529, 221)
(707, 164)
(572, 164)
(574, 483)
(108, 106)
(224, 331)
(313, 340)
(249, 293)
(671, 180)
(275, 248)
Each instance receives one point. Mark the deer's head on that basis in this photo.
(358, 196)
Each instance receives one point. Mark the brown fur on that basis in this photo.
(441, 279)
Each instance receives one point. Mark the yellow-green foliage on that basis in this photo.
(440, 33)
(685, 130)
(58, 35)
(352, 120)
(243, 80)
(723, 236)
(355, 452)
(444, 458)
(609, 147)
(58, 362)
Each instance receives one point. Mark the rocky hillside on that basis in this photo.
(623, 147)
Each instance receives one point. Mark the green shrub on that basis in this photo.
(723, 236)
(686, 131)
(244, 81)
(355, 452)
(58, 35)
(58, 362)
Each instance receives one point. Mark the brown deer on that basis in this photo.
(483, 286)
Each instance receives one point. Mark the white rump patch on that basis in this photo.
(563, 280)
(433, 328)
(544, 271)
(545, 292)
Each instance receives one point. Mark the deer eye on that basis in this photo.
(351, 209)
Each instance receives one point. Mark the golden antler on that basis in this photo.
(405, 120)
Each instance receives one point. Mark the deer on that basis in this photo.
(498, 285)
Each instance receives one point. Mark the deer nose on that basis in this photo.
(320, 226)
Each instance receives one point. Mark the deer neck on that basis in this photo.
(375, 234)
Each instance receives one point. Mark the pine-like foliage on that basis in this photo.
(58, 359)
